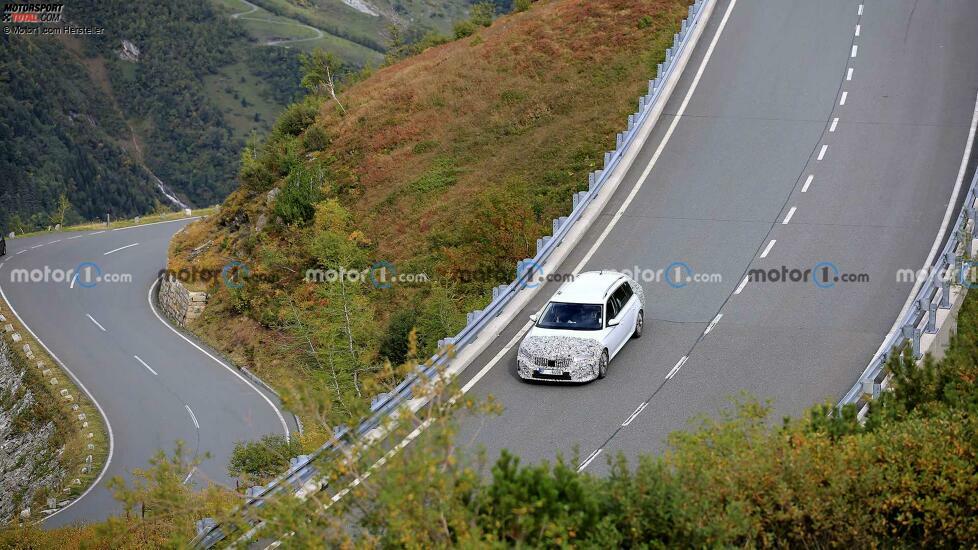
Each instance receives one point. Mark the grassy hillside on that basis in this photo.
(450, 164)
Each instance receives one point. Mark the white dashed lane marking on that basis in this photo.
(588, 460)
(767, 249)
(849, 73)
(855, 50)
(842, 100)
(192, 416)
(714, 322)
(821, 153)
(835, 122)
(678, 366)
(120, 248)
(637, 412)
(791, 213)
(740, 287)
(143, 363)
(99, 325)
(804, 188)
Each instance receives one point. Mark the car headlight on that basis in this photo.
(585, 359)
(523, 353)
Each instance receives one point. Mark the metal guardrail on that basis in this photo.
(301, 471)
(951, 267)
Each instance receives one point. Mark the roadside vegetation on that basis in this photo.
(75, 429)
(905, 478)
(163, 215)
(449, 163)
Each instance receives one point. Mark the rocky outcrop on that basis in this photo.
(30, 459)
(179, 303)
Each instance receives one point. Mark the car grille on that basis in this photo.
(546, 362)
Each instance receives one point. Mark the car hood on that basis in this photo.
(552, 346)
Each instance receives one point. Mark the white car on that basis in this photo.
(583, 326)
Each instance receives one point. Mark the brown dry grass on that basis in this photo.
(455, 159)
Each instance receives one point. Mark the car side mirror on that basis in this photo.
(534, 317)
(613, 322)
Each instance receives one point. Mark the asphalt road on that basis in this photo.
(826, 131)
(154, 386)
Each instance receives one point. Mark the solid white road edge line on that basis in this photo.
(99, 325)
(101, 411)
(662, 145)
(969, 143)
(149, 299)
(121, 248)
(143, 363)
(155, 223)
(377, 432)
(496, 358)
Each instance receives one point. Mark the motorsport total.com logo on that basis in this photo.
(33, 13)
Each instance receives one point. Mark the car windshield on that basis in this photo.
(565, 316)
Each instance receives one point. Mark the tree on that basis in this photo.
(64, 205)
(318, 71)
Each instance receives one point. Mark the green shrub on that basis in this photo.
(645, 22)
(297, 117)
(296, 203)
(315, 138)
(521, 5)
(264, 459)
(463, 29)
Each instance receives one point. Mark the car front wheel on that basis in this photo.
(603, 365)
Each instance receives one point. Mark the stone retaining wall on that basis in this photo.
(180, 304)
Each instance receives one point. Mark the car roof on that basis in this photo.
(590, 287)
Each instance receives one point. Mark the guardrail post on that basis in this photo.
(931, 327)
(592, 179)
(871, 388)
(660, 71)
(641, 103)
(945, 293)
(496, 293)
(631, 118)
(607, 159)
(913, 334)
(950, 259)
